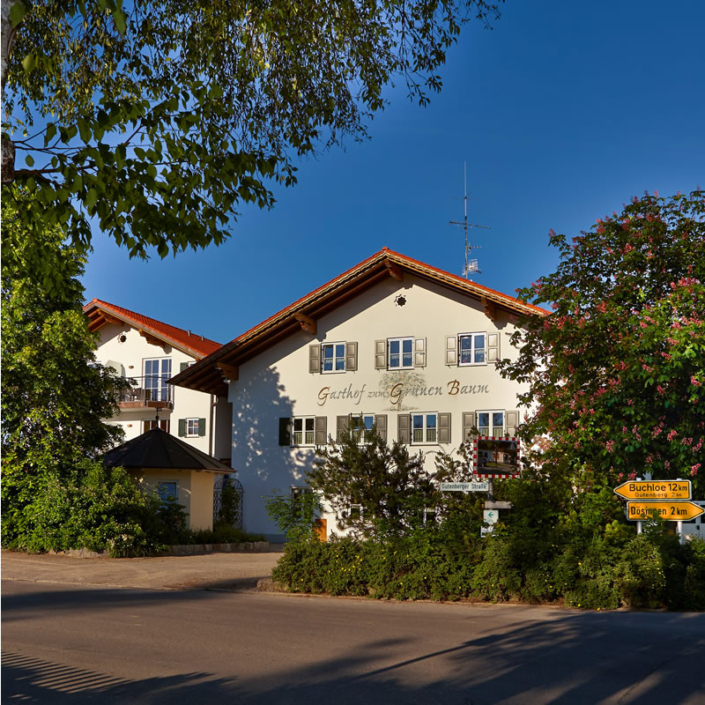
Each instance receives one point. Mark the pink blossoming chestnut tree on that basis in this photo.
(617, 371)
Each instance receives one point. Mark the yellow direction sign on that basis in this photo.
(655, 489)
(667, 511)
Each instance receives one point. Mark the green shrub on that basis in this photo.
(97, 508)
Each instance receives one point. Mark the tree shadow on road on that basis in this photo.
(571, 658)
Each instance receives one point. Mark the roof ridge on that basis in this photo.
(181, 337)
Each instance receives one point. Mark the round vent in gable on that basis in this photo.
(400, 300)
(122, 338)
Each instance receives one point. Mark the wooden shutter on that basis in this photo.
(320, 426)
(468, 424)
(492, 347)
(182, 428)
(420, 352)
(511, 421)
(285, 431)
(183, 366)
(342, 423)
(201, 427)
(444, 428)
(404, 428)
(350, 357)
(380, 354)
(314, 358)
(381, 425)
(451, 350)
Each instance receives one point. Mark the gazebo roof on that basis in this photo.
(159, 449)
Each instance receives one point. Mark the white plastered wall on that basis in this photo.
(278, 383)
(131, 355)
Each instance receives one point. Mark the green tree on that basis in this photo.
(156, 123)
(617, 372)
(54, 394)
(374, 489)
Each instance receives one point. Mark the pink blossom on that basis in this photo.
(694, 469)
(610, 446)
(695, 382)
(671, 435)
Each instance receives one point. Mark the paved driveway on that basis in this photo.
(226, 571)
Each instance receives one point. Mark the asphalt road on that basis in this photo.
(74, 644)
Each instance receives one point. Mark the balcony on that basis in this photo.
(146, 392)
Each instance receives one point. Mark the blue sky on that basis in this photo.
(562, 113)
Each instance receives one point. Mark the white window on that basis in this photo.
(333, 357)
(156, 374)
(424, 428)
(490, 423)
(472, 349)
(304, 430)
(361, 427)
(191, 428)
(401, 353)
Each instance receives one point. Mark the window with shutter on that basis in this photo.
(424, 428)
(341, 427)
(314, 359)
(284, 431)
(490, 423)
(468, 424)
(193, 427)
(512, 423)
(304, 430)
(472, 349)
(381, 426)
(404, 428)
(380, 354)
(333, 357)
(444, 428)
(451, 350)
(321, 427)
(420, 352)
(351, 357)
(493, 347)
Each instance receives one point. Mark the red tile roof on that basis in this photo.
(183, 339)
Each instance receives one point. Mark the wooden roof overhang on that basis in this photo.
(98, 316)
(210, 374)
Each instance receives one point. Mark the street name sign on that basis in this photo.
(655, 489)
(667, 511)
(465, 486)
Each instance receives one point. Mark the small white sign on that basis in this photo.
(490, 516)
(465, 486)
(484, 530)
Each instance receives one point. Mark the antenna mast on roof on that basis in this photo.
(471, 266)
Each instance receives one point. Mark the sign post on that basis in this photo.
(655, 490)
(666, 511)
(667, 500)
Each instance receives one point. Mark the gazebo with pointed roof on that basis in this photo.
(163, 463)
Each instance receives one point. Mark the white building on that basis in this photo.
(392, 342)
(148, 353)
